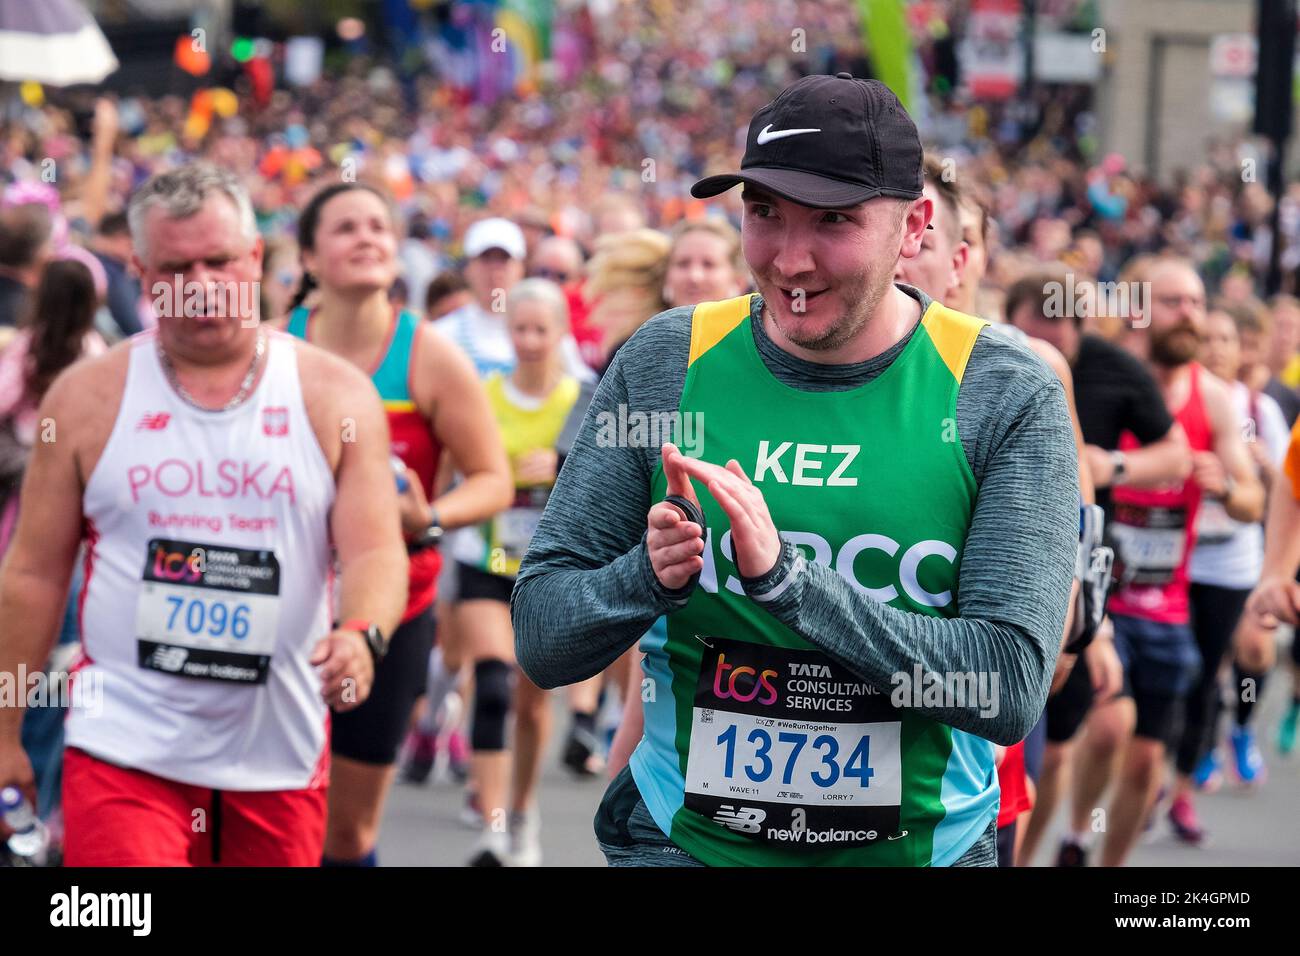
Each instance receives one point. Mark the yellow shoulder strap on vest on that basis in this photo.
(953, 334)
(711, 321)
(565, 395)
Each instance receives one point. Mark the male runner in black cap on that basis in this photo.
(872, 591)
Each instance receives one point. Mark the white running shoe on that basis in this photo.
(526, 839)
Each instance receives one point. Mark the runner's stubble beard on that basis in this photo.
(867, 289)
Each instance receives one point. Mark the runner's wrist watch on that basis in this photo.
(1119, 464)
(375, 639)
(430, 536)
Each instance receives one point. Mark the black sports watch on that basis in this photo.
(429, 537)
(691, 512)
(375, 639)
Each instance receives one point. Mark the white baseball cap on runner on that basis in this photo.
(495, 233)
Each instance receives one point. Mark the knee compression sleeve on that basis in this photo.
(491, 705)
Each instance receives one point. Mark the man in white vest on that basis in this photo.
(213, 470)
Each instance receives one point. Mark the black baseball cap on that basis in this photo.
(829, 142)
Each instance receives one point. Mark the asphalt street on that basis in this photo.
(1256, 828)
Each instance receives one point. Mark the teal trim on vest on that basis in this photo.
(298, 322)
(392, 376)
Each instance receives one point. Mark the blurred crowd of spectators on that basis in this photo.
(637, 103)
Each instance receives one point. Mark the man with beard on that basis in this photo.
(1154, 531)
(865, 450)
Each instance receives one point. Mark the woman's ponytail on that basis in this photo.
(305, 285)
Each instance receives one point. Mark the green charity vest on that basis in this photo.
(759, 749)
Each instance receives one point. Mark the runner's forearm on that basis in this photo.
(884, 646)
(1168, 459)
(372, 587)
(1282, 533)
(478, 497)
(1245, 500)
(572, 624)
(1016, 572)
(31, 606)
(586, 591)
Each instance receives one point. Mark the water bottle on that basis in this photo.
(30, 838)
(399, 467)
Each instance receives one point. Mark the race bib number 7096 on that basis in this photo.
(208, 611)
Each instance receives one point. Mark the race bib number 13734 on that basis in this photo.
(788, 747)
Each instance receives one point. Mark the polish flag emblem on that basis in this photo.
(275, 422)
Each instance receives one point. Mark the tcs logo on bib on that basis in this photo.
(176, 566)
(731, 692)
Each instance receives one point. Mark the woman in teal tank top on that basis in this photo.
(433, 402)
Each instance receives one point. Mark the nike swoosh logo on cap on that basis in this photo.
(765, 135)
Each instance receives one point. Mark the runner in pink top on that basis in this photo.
(1154, 530)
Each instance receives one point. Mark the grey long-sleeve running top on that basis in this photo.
(586, 590)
